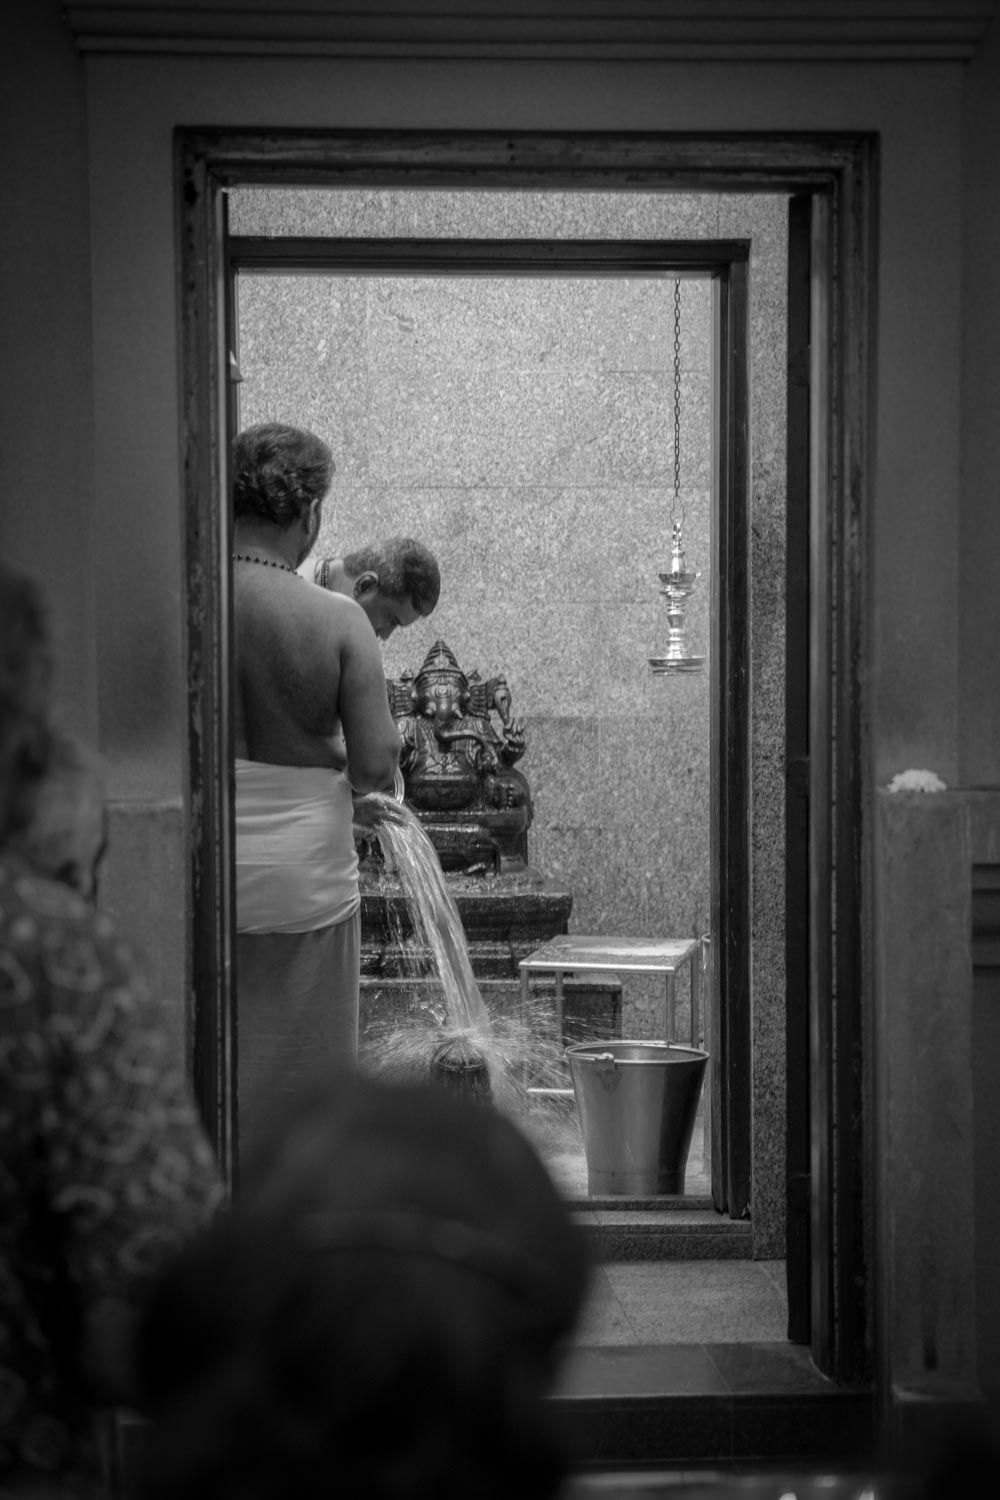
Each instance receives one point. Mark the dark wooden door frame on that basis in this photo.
(797, 636)
(838, 173)
(732, 893)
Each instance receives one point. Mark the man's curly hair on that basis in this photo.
(278, 471)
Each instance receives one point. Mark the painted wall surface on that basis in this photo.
(979, 511)
(46, 387)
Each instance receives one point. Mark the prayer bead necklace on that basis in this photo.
(265, 562)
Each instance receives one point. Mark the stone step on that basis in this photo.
(725, 1405)
(674, 1229)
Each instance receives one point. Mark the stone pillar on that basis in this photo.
(924, 1210)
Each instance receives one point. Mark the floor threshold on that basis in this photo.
(687, 1233)
(696, 1403)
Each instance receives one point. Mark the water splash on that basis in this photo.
(518, 1045)
(412, 858)
(520, 1049)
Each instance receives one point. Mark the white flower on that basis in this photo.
(916, 781)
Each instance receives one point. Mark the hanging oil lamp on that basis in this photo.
(677, 581)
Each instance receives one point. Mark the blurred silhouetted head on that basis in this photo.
(67, 832)
(382, 1314)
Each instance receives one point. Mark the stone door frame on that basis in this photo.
(837, 173)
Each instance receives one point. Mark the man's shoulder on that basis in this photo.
(326, 570)
(278, 614)
(333, 614)
(293, 647)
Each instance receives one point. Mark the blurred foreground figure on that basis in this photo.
(104, 1169)
(380, 1317)
(67, 833)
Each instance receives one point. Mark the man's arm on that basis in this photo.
(339, 748)
(370, 732)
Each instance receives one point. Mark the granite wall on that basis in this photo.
(523, 428)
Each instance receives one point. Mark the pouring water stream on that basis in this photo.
(511, 1045)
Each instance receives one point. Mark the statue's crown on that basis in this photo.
(439, 662)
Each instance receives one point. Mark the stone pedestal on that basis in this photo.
(503, 921)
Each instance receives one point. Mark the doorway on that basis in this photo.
(834, 176)
(511, 402)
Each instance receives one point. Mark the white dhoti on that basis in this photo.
(298, 945)
(296, 865)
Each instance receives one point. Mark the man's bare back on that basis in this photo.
(308, 670)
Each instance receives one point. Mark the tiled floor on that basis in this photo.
(743, 1403)
(644, 1301)
(685, 1302)
(681, 1355)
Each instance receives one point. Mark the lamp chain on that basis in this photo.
(677, 579)
(676, 508)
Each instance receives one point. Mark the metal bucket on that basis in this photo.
(637, 1103)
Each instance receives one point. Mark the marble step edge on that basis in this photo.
(664, 1203)
(721, 1403)
(617, 1242)
(766, 1429)
(639, 1236)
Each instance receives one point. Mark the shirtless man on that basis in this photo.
(396, 581)
(312, 727)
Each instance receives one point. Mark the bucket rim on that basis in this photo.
(593, 1051)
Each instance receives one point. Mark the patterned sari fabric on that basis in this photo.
(104, 1168)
